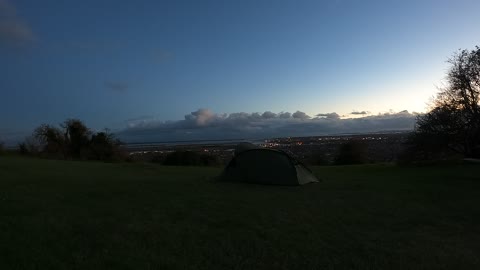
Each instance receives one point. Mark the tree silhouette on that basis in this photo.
(77, 136)
(73, 140)
(50, 139)
(103, 145)
(454, 122)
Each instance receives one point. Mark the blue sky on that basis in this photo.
(113, 62)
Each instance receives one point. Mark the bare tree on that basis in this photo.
(454, 122)
(50, 139)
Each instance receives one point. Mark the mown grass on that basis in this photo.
(83, 215)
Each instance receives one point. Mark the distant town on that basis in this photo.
(316, 150)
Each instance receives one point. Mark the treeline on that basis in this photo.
(72, 140)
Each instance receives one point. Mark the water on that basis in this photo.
(193, 142)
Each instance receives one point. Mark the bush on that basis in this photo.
(22, 148)
(103, 146)
(422, 149)
(352, 152)
(2, 148)
(318, 159)
(158, 158)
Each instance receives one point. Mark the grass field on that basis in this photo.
(82, 215)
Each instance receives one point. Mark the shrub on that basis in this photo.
(427, 149)
(352, 152)
(2, 148)
(22, 148)
(158, 158)
(102, 146)
(318, 159)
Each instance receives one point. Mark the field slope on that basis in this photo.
(83, 215)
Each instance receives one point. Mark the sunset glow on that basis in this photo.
(162, 59)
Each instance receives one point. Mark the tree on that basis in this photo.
(453, 125)
(77, 137)
(51, 140)
(104, 146)
(73, 140)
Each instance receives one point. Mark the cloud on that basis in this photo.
(14, 31)
(360, 113)
(204, 124)
(269, 114)
(201, 117)
(404, 112)
(300, 115)
(117, 86)
(332, 115)
(284, 115)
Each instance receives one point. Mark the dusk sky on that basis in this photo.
(139, 67)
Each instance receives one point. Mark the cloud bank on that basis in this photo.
(204, 124)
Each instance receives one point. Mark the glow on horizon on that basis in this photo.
(165, 59)
(416, 100)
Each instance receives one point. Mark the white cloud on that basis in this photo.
(201, 117)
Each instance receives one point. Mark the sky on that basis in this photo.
(167, 70)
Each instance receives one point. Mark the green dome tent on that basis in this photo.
(266, 166)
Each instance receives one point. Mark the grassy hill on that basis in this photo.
(84, 215)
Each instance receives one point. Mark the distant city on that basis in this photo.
(380, 147)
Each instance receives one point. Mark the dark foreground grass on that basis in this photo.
(81, 215)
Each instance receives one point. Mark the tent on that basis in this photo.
(266, 166)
